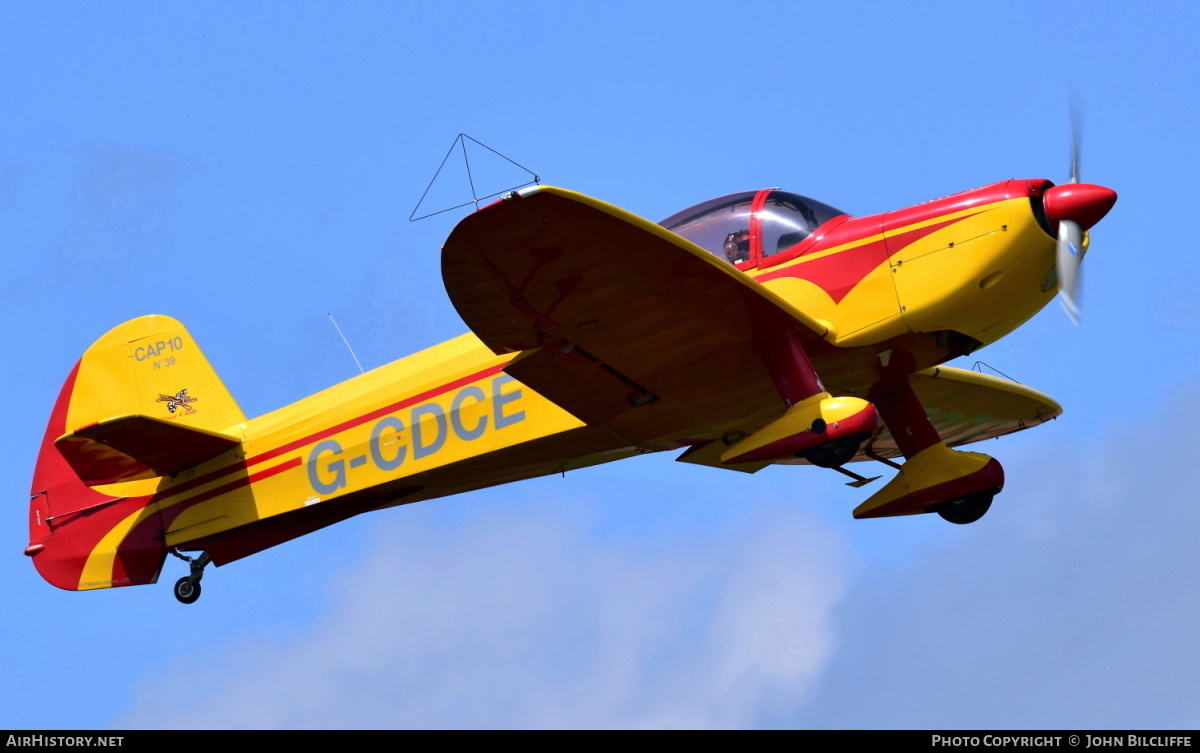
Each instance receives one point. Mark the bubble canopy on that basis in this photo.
(751, 225)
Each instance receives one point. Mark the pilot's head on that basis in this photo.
(737, 246)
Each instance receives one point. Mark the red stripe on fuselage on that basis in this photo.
(171, 513)
(839, 273)
(976, 198)
(322, 434)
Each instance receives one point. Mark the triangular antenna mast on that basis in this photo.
(460, 141)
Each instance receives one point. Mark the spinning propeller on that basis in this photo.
(1074, 207)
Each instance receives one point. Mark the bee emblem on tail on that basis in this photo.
(178, 400)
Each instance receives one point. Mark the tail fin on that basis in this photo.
(141, 403)
(146, 404)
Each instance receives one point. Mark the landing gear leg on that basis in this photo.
(958, 486)
(187, 589)
(824, 430)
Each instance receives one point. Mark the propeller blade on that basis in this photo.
(1076, 134)
(1067, 263)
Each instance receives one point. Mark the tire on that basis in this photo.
(836, 453)
(966, 509)
(186, 592)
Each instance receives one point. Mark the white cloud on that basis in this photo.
(520, 619)
(1073, 604)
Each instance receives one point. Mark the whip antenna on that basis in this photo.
(339, 331)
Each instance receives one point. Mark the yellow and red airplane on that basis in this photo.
(758, 328)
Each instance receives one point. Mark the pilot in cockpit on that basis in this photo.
(737, 246)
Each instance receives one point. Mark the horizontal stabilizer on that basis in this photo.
(145, 403)
(127, 448)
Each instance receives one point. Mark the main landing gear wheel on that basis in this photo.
(187, 591)
(966, 509)
(836, 453)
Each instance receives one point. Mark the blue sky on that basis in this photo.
(250, 169)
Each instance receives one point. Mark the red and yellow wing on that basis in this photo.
(623, 323)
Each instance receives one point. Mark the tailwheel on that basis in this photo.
(187, 591)
(836, 453)
(966, 509)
